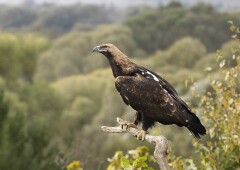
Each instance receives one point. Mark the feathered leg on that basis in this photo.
(138, 118)
(146, 124)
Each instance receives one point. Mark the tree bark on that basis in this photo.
(160, 142)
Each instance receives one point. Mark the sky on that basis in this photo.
(225, 5)
(129, 2)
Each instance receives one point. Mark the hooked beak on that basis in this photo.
(96, 49)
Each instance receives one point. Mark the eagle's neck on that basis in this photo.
(121, 65)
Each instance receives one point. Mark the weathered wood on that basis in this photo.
(160, 142)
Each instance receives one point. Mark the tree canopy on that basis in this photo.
(165, 25)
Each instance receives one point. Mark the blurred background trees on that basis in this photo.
(55, 94)
(165, 25)
(19, 55)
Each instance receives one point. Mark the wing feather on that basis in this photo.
(167, 86)
(147, 96)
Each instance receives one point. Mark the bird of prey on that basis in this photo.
(153, 98)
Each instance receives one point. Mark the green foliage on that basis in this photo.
(75, 165)
(4, 108)
(235, 30)
(43, 102)
(23, 140)
(160, 28)
(135, 159)
(72, 53)
(19, 54)
(220, 109)
(192, 50)
(19, 17)
(221, 114)
(88, 100)
(53, 20)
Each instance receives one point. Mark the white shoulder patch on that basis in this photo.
(154, 77)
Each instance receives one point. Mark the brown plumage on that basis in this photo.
(154, 99)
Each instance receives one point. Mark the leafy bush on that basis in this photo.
(221, 114)
(135, 159)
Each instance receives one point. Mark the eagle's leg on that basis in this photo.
(138, 118)
(146, 124)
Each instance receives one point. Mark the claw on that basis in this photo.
(131, 125)
(128, 125)
(140, 135)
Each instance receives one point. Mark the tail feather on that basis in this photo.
(196, 127)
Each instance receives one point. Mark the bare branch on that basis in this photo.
(161, 145)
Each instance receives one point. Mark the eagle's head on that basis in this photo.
(109, 50)
(119, 62)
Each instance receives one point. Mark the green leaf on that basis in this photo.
(125, 162)
(140, 162)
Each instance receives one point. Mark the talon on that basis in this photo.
(140, 135)
(128, 125)
(131, 125)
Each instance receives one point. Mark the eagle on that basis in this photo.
(153, 98)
